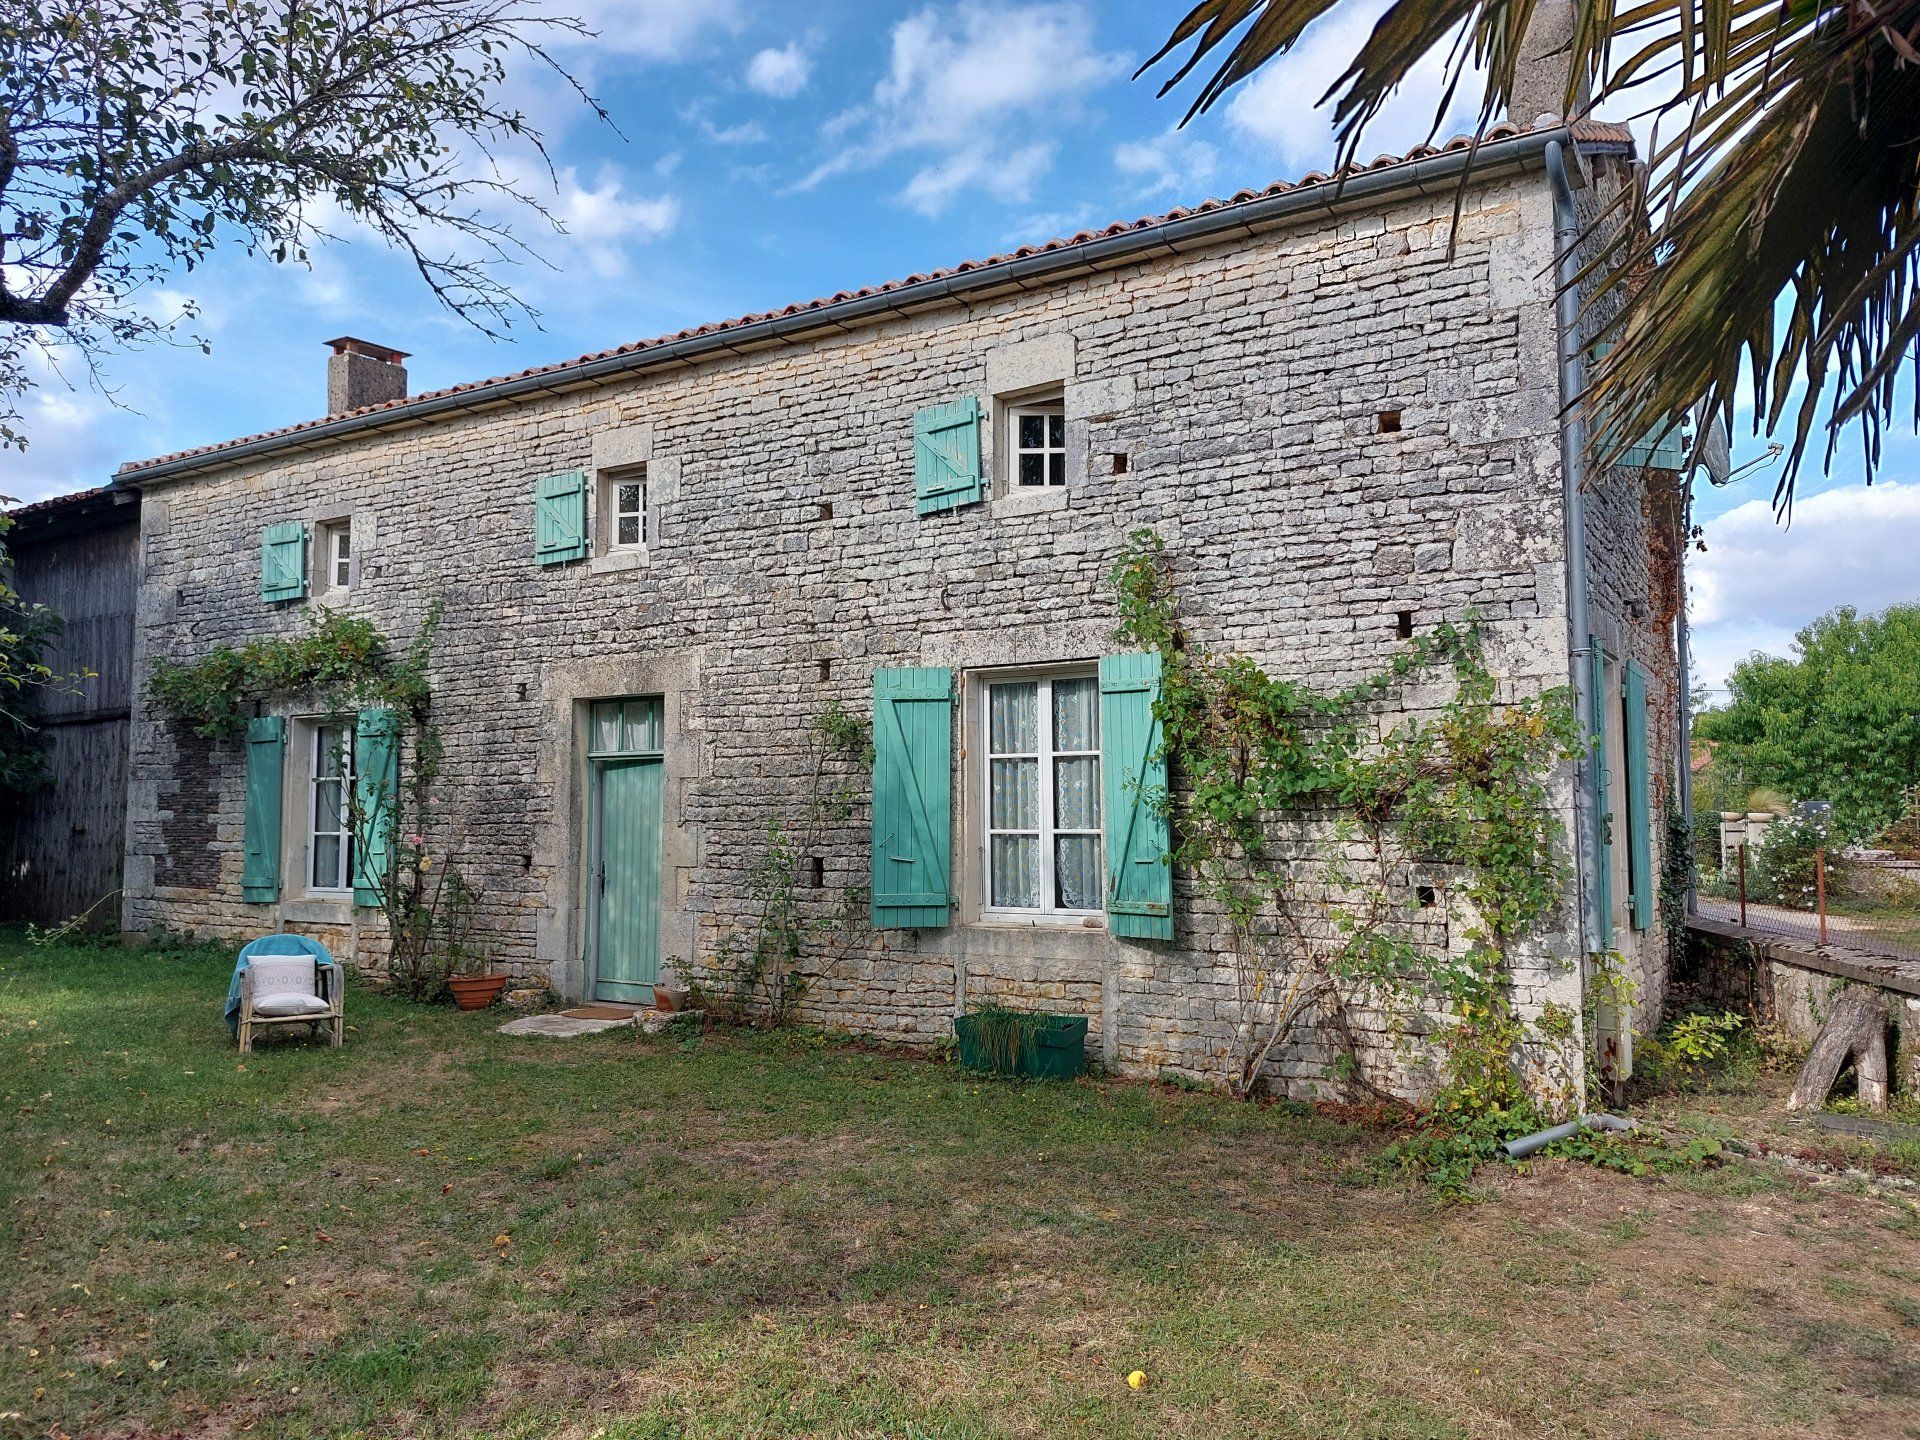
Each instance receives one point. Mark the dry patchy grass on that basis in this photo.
(438, 1231)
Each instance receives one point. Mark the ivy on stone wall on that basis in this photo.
(341, 659)
(1311, 830)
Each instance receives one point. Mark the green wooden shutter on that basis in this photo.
(1662, 448)
(266, 756)
(946, 457)
(560, 518)
(376, 789)
(1602, 800)
(912, 798)
(1639, 798)
(283, 562)
(1134, 771)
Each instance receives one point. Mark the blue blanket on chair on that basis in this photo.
(268, 945)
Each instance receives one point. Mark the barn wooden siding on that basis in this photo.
(61, 849)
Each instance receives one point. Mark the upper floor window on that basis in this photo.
(335, 556)
(329, 829)
(1043, 795)
(623, 509)
(1037, 443)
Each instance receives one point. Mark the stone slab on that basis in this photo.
(559, 1027)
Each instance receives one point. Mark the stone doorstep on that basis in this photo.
(566, 1027)
(559, 1027)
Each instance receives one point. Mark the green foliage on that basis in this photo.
(342, 664)
(1841, 722)
(1698, 1049)
(1258, 756)
(1004, 1036)
(136, 140)
(340, 657)
(1783, 869)
(1701, 1038)
(765, 964)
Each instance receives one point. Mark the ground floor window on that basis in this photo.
(1043, 846)
(330, 846)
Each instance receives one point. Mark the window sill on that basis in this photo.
(318, 909)
(613, 561)
(1050, 924)
(1031, 500)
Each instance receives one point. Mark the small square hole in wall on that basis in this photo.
(1389, 422)
(1427, 897)
(819, 876)
(826, 669)
(823, 511)
(1120, 462)
(1403, 624)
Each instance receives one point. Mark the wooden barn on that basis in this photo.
(62, 848)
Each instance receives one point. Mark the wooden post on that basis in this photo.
(1743, 884)
(1820, 889)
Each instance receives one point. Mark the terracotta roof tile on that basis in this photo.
(1583, 130)
(59, 502)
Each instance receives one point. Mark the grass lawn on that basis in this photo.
(440, 1231)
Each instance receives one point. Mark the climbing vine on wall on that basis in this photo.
(341, 659)
(1309, 831)
(341, 664)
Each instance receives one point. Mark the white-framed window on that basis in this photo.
(1036, 444)
(329, 788)
(335, 556)
(623, 507)
(1042, 796)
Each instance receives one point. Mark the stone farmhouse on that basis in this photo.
(1340, 408)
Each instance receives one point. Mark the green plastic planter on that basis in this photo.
(1043, 1047)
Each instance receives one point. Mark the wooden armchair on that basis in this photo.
(276, 988)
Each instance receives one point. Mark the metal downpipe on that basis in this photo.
(1573, 454)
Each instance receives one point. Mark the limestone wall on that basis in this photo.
(1243, 385)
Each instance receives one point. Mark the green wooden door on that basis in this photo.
(627, 878)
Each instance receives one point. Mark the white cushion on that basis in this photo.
(290, 1002)
(282, 975)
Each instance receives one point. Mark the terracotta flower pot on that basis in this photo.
(669, 999)
(476, 992)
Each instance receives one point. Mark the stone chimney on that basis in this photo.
(1546, 55)
(360, 373)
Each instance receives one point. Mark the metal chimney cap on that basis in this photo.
(348, 345)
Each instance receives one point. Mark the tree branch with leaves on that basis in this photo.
(137, 137)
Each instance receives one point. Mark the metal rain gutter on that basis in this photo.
(1428, 175)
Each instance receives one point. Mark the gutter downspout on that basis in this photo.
(1684, 645)
(1573, 453)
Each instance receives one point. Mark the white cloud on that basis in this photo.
(602, 220)
(1760, 581)
(1172, 160)
(748, 132)
(781, 73)
(967, 89)
(72, 440)
(654, 29)
(1279, 107)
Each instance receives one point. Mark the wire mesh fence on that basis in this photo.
(1859, 899)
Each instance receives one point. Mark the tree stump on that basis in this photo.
(1856, 1030)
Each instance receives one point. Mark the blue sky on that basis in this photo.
(768, 152)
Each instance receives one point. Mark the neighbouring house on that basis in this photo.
(1341, 409)
(61, 847)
